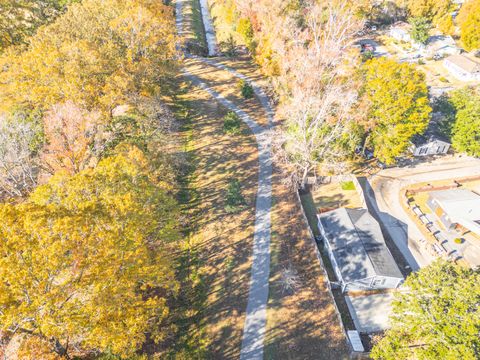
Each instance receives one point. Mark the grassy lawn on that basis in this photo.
(194, 33)
(336, 195)
(218, 194)
(224, 83)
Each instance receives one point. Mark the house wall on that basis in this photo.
(439, 213)
(374, 283)
(432, 148)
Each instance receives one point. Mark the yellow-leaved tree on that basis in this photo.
(85, 262)
(97, 54)
(397, 97)
(469, 21)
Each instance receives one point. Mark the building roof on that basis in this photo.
(462, 207)
(438, 42)
(465, 63)
(357, 244)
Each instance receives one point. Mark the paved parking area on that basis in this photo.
(370, 313)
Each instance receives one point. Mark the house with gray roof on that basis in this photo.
(357, 250)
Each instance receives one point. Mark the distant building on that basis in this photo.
(401, 31)
(440, 45)
(431, 142)
(358, 251)
(463, 67)
(425, 146)
(457, 209)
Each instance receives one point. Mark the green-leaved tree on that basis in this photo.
(466, 127)
(420, 29)
(436, 317)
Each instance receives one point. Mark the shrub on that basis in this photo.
(229, 47)
(246, 89)
(367, 55)
(443, 79)
(231, 123)
(235, 200)
(348, 185)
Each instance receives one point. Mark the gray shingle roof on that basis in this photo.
(357, 244)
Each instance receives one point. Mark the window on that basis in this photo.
(378, 282)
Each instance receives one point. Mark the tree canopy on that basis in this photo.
(398, 103)
(85, 262)
(469, 21)
(21, 18)
(466, 127)
(97, 54)
(420, 29)
(437, 12)
(436, 316)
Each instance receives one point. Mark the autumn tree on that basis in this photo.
(97, 54)
(469, 21)
(71, 138)
(85, 263)
(437, 12)
(320, 98)
(436, 316)
(397, 98)
(466, 126)
(18, 158)
(21, 18)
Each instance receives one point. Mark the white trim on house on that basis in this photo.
(432, 147)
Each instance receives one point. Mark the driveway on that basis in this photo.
(383, 194)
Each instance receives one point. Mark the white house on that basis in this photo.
(457, 209)
(401, 31)
(425, 146)
(357, 250)
(463, 67)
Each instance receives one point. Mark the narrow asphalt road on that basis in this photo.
(385, 195)
(256, 312)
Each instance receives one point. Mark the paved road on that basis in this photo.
(386, 186)
(209, 29)
(256, 312)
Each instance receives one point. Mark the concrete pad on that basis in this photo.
(370, 313)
